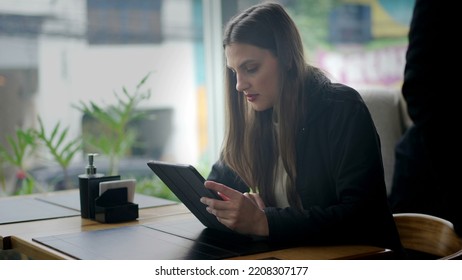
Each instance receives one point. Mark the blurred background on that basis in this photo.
(58, 54)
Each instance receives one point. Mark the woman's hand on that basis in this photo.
(240, 212)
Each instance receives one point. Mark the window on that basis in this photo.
(55, 54)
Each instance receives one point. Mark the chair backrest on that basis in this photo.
(391, 120)
(430, 235)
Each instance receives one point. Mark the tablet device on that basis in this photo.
(188, 185)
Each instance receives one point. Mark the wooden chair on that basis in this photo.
(428, 237)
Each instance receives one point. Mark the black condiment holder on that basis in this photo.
(113, 206)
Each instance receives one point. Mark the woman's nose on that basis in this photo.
(241, 83)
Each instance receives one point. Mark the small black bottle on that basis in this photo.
(89, 188)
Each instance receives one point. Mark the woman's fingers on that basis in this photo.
(222, 190)
(241, 212)
(224, 197)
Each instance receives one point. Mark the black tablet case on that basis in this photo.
(188, 185)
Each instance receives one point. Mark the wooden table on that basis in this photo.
(19, 236)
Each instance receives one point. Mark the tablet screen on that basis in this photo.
(188, 185)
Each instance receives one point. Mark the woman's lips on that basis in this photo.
(251, 97)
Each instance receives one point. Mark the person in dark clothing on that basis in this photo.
(301, 159)
(425, 178)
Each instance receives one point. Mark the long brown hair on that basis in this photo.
(251, 146)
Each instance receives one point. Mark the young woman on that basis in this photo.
(301, 158)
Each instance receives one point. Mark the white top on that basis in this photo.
(280, 177)
(280, 186)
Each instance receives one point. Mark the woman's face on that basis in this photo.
(257, 74)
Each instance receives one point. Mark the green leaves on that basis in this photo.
(114, 137)
(20, 147)
(25, 143)
(61, 152)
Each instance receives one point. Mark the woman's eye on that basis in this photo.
(252, 69)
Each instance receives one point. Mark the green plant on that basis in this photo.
(62, 152)
(24, 144)
(20, 148)
(115, 138)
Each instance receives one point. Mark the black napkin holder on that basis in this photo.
(113, 206)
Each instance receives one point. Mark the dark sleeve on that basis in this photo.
(221, 173)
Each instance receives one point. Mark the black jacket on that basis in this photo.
(340, 178)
